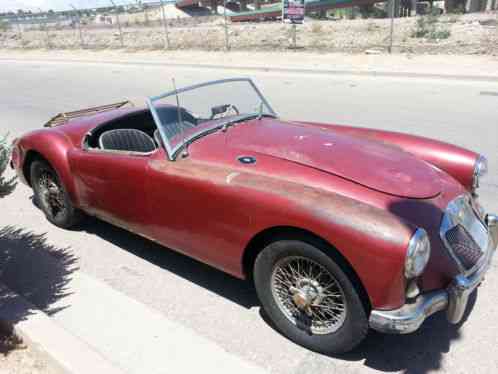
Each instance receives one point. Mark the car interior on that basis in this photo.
(136, 132)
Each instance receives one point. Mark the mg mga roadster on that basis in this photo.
(340, 228)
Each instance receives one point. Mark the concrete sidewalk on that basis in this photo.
(99, 330)
(477, 68)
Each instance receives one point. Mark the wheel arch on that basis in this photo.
(30, 157)
(259, 241)
(54, 152)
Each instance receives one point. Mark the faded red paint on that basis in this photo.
(363, 191)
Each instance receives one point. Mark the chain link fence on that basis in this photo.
(163, 26)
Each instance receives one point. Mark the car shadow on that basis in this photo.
(416, 353)
(419, 352)
(236, 290)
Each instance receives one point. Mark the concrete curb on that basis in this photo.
(318, 71)
(64, 353)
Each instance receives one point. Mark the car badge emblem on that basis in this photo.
(246, 159)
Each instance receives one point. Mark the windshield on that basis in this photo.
(185, 114)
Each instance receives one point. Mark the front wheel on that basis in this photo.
(51, 196)
(309, 297)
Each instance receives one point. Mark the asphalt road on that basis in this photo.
(222, 308)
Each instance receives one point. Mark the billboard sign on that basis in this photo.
(293, 11)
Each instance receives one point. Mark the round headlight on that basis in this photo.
(418, 253)
(480, 170)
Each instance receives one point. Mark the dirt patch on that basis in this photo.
(17, 358)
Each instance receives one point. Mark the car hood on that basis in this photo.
(378, 166)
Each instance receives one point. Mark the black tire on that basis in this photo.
(64, 215)
(354, 326)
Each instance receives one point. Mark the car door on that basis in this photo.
(111, 185)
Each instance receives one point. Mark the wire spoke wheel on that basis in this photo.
(308, 295)
(51, 194)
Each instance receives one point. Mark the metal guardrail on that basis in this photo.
(62, 118)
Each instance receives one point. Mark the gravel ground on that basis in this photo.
(17, 358)
(470, 34)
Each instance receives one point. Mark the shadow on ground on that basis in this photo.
(418, 353)
(231, 288)
(415, 353)
(32, 269)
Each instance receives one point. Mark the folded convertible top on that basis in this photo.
(61, 118)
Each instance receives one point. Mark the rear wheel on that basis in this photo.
(51, 196)
(308, 297)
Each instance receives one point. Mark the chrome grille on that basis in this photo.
(464, 234)
(463, 246)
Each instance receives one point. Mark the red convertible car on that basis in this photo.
(340, 228)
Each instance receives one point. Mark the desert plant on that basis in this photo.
(4, 25)
(430, 28)
(6, 185)
(316, 28)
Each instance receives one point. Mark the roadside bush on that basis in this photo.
(6, 185)
(4, 154)
(430, 28)
(316, 28)
(4, 25)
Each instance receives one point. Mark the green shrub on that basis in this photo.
(430, 28)
(4, 25)
(4, 154)
(6, 185)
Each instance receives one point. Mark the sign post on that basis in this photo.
(293, 12)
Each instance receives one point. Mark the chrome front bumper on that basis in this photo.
(454, 299)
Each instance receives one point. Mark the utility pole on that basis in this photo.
(19, 29)
(119, 23)
(391, 32)
(227, 44)
(79, 26)
(294, 36)
(46, 28)
(165, 26)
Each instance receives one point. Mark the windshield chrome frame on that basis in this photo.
(172, 151)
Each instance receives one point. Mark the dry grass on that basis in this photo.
(316, 28)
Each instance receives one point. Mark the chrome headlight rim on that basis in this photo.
(480, 170)
(417, 254)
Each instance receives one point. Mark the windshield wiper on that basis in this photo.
(245, 118)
